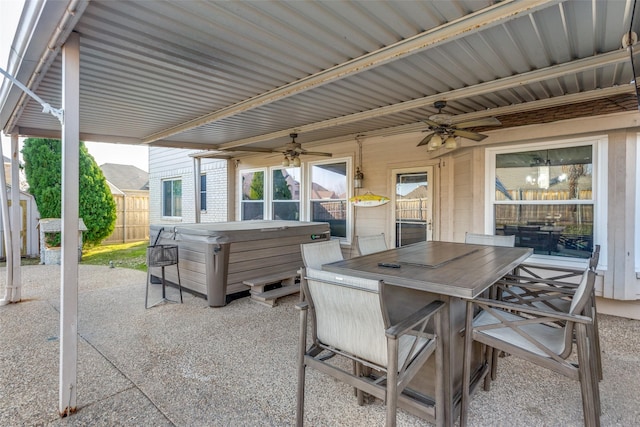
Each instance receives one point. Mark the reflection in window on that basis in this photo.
(545, 199)
(285, 190)
(172, 197)
(252, 203)
(329, 196)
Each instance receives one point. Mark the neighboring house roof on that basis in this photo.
(420, 192)
(125, 177)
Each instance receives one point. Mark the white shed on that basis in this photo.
(29, 217)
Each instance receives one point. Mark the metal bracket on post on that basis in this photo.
(58, 113)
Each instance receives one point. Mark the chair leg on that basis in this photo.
(588, 384)
(392, 381)
(302, 345)
(491, 359)
(179, 283)
(596, 338)
(439, 372)
(466, 365)
(357, 370)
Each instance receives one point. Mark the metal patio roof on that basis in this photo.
(213, 75)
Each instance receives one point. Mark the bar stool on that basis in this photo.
(162, 256)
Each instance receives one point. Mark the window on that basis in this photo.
(252, 201)
(328, 196)
(545, 198)
(203, 192)
(285, 194)
(172, 197)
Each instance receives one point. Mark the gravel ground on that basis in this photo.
(192, 365)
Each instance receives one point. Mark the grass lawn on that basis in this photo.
(124, 255)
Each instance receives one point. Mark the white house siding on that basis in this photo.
(174, 163)
(461, 187)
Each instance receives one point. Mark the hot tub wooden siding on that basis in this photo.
(215, 258)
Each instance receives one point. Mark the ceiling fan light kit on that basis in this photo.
(291, 151)
(444, 129)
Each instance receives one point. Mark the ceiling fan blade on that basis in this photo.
(426, 139)
(489, 121)
(431, 123)
(469, 135)
(251, 149)
(316, 153)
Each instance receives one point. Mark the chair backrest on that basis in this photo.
(490, 239)
(349, 314)
(371, 244)
(583, 292)
(578, 303)
(595, 258)
(314, 255)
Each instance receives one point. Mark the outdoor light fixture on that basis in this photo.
(436, 141)
(359, 176)
(357, 179)
(450, 143)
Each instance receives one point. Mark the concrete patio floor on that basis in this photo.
(192, 365)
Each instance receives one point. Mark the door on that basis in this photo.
(413, 211)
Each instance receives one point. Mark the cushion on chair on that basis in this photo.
(371, 244)
(349, 317)
(490, 239)
(314, 255)
(551, 337)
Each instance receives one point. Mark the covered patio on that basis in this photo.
(355, 81)
(188, 364)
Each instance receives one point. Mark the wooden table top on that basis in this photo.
(446, 268)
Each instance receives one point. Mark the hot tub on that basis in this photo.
(215, 258)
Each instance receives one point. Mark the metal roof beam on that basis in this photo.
(489, 17)
(479, 89)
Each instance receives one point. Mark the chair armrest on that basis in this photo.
(540, 312)
(513, 279)
(535, 285)
(409, 322)
(552, 268)
(302, 305)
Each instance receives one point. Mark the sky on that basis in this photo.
(135, 155)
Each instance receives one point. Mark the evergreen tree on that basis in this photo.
(43, 168)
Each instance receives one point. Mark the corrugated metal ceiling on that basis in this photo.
(226, 74)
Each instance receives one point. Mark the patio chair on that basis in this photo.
(490, 239)
(552, 288)
(314, 255)
(371, 244)
(350, 319)
(531, 334)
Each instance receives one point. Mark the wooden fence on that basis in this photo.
(132, 218)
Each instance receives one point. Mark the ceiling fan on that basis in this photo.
(443, 129)
(292, 151)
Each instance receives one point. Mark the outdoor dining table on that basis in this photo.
(435, 270)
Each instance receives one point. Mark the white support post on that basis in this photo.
(6, 227)
(70, 209)
(196, 186)
(16, 224)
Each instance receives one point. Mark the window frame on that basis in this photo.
(271, 198)
(598, 197)
(173, 206)
(241, 201)
(348, 192)
(203, 192)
